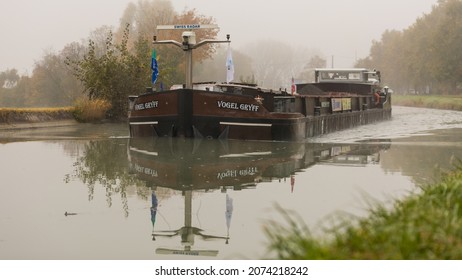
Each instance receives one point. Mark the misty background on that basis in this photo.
(272, 41)
(344, 29)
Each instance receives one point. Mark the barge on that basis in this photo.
(337, 99)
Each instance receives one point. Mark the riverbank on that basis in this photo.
(445, 102)
(426, 225)
(19, 118)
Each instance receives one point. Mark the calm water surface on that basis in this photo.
(191, 199)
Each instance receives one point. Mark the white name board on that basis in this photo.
(187, 26)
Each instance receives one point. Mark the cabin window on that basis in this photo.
(284, 105)
(218, 89)
(354, 76)
(237, 90)
(340, 76)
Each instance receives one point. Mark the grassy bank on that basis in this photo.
(84, 110)
(427, 225)
(24, 115)
(429, 101)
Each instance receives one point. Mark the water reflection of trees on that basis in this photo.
(104, 162)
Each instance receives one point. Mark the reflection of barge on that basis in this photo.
(340, 99)
(192, 165)
(209, 164)
(187, 164)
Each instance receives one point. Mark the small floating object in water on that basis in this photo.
(68, 213)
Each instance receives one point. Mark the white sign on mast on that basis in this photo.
(187, 26)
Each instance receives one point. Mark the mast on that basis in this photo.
(188, 44)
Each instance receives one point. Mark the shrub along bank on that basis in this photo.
(425, 225)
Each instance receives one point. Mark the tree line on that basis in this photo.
(115, 62)
(424, 58)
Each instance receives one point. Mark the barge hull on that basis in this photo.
(194, 114)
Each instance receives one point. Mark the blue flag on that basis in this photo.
(154, 67)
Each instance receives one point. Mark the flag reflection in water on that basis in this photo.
(154, 204)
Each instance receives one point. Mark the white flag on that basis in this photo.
(293, 88)
(229, 66)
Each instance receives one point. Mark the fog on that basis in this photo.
(339, 29)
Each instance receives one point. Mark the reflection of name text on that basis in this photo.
(237, 106)
(145, 170)
(237, 173)
(147, 105)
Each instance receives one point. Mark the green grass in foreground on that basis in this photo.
(429, 101)
(426, 225)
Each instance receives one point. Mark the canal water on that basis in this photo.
(90, 192)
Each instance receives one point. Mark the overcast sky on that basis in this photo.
(340, 28)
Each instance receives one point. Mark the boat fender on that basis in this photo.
(377, 97)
